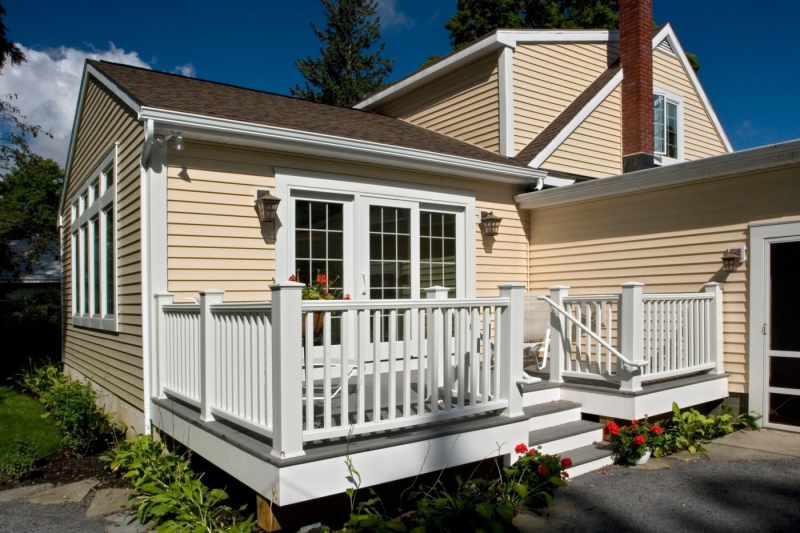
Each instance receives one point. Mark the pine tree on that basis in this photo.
(346, 70)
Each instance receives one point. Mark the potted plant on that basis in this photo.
(635, 443)
(319, 289)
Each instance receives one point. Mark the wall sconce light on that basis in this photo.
(491, 223)
(266, 206)
(733, 257)
(178, 143)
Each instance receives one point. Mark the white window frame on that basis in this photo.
(674, 98)
(81, 235)
(358, 194)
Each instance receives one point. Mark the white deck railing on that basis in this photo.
(657, 336)
(369, 366)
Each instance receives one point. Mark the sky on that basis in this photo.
(748, 51)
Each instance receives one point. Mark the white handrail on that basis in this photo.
(592, 334)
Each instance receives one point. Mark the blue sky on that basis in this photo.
(748, 51)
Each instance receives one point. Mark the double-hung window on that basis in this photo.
(93, 240)
(668, 125)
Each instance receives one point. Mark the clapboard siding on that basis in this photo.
(463, 105)
(215, 240)
(112, 360)
(670, 239)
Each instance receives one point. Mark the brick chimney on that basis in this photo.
(636, 56)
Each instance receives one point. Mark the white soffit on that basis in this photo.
(710, 168)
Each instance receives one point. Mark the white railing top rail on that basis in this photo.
(592, 298)
(181, 308)
(592, 334)
(380, 305)
(676, 297)
(241, 307)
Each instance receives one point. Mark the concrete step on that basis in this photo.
(588, 458)
(569, 436)
(542, 392)
(550, 414)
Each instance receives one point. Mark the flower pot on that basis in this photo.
(317, 323)
(646, 457)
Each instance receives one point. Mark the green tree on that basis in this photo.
(29, 198)
(475, 18)
(346, 70)
(14, 130)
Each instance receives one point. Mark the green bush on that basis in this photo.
(41, 379)
(168, 492)
(73, 408)
(18, 460)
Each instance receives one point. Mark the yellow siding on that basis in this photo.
(463, 105)
(595, 148)
(670, 239)
(215, 241)
(700, 138)
(548, 77)
(112, 360)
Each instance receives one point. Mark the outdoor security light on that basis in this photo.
(491, 223)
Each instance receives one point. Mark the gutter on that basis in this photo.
(707, 169)
(334, 147)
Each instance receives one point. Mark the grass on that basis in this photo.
(21, 418)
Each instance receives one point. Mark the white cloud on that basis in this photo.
(390, 16)
(47, 87)
(187, 70)
(746, 129)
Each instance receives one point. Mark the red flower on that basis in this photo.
(639, 439)
(521, 448)
(327, 293)
(531, 452)
(657, 430)
(634, 422)
(292, 278)
(542, 470)
(322, 279)
(566, 462)
(565, 474)
(346, 296)
(611, 428)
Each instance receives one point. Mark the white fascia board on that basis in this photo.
(329, 146)
(576, 121)
(558, 182)
(100, 77)
(668, 33)
(506, 104)
(494, 41)
(710, 168)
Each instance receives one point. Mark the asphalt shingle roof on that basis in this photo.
(173, 92)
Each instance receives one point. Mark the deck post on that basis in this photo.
(559, 348)
(435, 327)
(715, 327)
(287, 369)
(208, 352)
(631, 335)
(159, 358)
(508, 362)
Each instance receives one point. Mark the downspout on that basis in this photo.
(147, 297)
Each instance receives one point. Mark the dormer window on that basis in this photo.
(667, 126)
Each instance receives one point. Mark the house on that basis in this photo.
(422, 368)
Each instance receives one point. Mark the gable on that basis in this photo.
(463, 104)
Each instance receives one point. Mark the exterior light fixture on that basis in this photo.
(266, 206)
(733, 257)
(491, 223)
(178, 143)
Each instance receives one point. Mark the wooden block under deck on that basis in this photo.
(266, 514)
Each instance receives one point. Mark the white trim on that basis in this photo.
(710, 168)
(489, 43)
(94, 209)
(761, 236)
(668, 33)
(293, 183)
(676, 99)
(576, 121)
(505, 88)
(330, 146)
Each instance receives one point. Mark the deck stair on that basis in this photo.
(558, 427)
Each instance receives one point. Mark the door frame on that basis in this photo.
(761, 236)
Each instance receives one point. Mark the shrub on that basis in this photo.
(41, 379)
(73, 408)
(18, 460)
(168, 492)
(631, 442)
